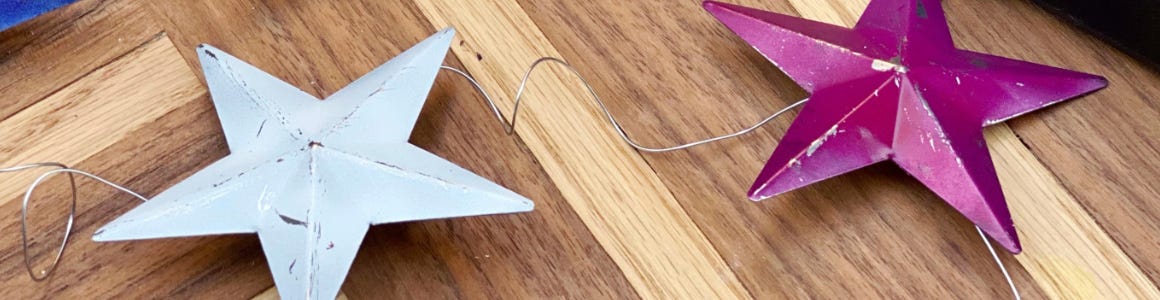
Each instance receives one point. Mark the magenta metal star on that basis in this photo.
(895, 88)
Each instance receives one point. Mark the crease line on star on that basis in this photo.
(817, 141)
(383, 87)
(408, 173)
(223, 187)
(186, 201)
(271, 110)
(835, 45)
(953, 141)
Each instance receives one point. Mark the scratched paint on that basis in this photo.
(312, 182)
(944, 96)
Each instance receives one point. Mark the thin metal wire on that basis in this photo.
(509, 126)
(60, 168)
(1010, 282)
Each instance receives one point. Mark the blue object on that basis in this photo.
(14, 12)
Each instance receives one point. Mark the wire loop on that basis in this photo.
(509, 125)
(43, 274)
(509, 128)
(60, 168)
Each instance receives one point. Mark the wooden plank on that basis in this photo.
(672, 74)
(1065, 250)
(148, 160)
(322, 46)
(873, 233)
(100, 109)
(633, 215)
(1059, 237)
(112, 123)
(1104, 147)
(46, 53)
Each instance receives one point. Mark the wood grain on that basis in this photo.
(44, 54)
(99, 85)
(1069, 255)
(149, 150)
(1065, 250)
(59, 127)
(687, 77)
(1103, 148)
(545, 254)
(613, 189)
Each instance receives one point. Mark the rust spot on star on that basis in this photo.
(920, 9)
(214, 56)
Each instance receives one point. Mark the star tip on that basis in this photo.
(763, 189)
(527, 205)
(1009, 240)
(1012, 246)
(760, 194)
(1102, 81)
(206, 47)
(206, 52)
(711, 5)
(99, 235)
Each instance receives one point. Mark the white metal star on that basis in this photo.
(309, 177)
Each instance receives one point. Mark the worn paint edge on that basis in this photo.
(1016, 165)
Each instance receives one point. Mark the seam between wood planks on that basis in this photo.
(619, 197)
(1066, 252)
(1064, 249)
(78, 121)
(150, 40)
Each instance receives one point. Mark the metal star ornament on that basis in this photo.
(895, 88)
(309, 176)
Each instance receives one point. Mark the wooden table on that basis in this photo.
(114, 87)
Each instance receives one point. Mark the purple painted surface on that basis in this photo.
(895, 88)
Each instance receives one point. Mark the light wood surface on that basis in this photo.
(113, 87)
(620, 198)
(1066, 252)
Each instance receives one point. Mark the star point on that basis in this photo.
(895, 88)
(310, 177)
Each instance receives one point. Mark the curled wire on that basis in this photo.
(60, 168)
(509, 127)
(24, 220)
(1010, 282)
